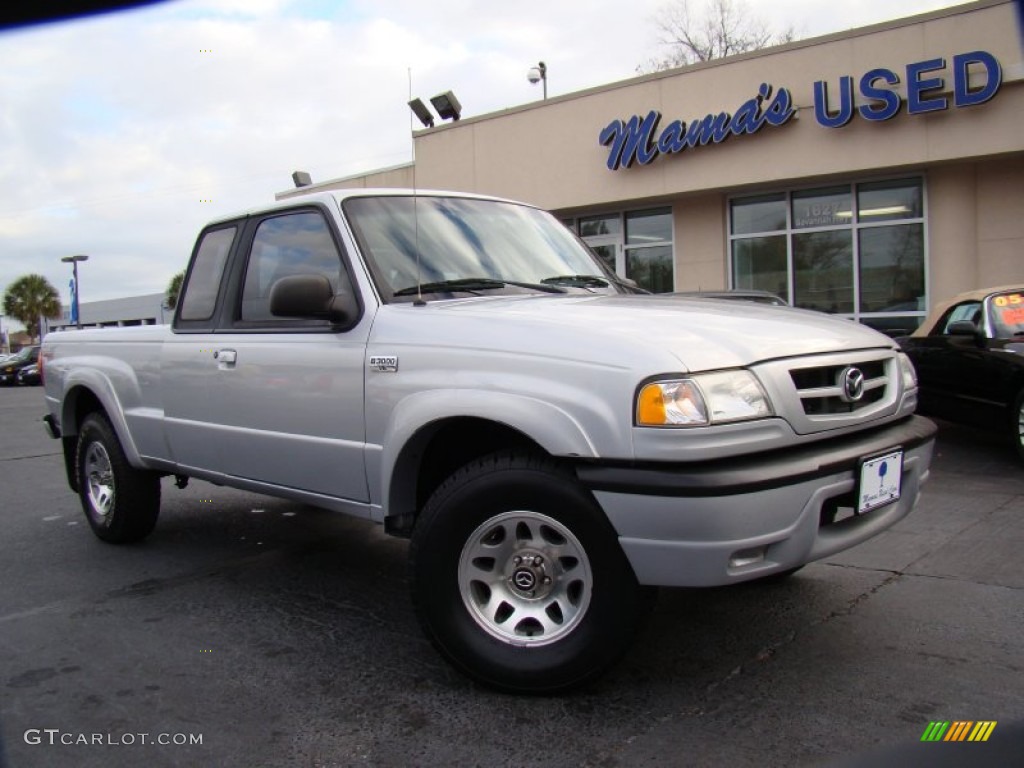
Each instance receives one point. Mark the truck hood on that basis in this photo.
(684, 333)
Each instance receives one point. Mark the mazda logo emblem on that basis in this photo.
(525, 580)
(851, 384)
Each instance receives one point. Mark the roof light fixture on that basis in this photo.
(422, 112)
(447, 106)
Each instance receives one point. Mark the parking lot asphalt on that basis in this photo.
(281, 635)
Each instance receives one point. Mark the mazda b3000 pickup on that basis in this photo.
(464, 371)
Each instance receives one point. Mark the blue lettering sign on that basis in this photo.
(885, 103)
(844, 114)
(924, 93)
(916, 103)
(636, 140)
(963, 96)
(631, 141)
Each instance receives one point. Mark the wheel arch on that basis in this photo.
(87, 395)
(434, 452)
(433, 433)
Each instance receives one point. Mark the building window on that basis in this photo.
(857, 250)
(635, 244)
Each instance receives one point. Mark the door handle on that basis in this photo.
(225, 358)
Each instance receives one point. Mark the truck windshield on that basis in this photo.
(446, 245)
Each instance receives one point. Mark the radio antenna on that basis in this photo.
(415, 206)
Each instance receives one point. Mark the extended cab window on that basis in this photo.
(199, 295)
(292, 244)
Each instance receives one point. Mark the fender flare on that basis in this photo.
(100, 386)
(551, 427)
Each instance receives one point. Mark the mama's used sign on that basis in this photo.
(641, 140)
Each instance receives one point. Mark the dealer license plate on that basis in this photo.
(879, 481)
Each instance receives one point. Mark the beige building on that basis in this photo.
(869, 173)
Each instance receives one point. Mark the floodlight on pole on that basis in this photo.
(422, 113)
(76, 317)
(447, 106)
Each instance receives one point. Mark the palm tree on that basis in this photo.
(174, 289)
(29, 298)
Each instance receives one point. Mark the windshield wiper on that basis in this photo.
(577, 281)
(473, 284)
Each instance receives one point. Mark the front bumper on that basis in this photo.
(733, 520)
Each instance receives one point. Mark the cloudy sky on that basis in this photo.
(121, 134)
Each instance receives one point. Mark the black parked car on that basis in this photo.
(29, 376)
(969, 356)
(9, 368)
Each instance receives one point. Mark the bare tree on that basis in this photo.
(709, 29)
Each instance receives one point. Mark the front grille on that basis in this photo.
(821, 391)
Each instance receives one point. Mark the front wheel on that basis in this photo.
(518, 578)
(1017, 424)
(120, 502)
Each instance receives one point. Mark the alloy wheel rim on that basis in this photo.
(525, 578)
(99, 478)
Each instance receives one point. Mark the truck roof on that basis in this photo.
(337, 196)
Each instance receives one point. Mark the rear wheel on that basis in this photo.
(518, 578)
(120, 502)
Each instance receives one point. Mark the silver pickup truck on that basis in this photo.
(463, 370)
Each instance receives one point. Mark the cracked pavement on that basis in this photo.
(285, 636)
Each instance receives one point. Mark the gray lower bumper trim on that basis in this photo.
(726, 477)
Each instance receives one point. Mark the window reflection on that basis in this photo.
(651, 268)
(888, 201)
(823, 271)
(854, 249)
(822, 208)
(759, 263)
(892, 269)
(763, 213)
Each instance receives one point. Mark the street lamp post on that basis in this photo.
(73, 260)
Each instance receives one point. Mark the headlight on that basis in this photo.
(701, 400)
(907, 372)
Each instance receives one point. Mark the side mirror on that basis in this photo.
(967, 328)
(309, 296)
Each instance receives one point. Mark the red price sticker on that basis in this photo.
(1014, 316)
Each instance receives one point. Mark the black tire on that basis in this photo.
(480, 612)
(120, 502)
(1017, 424)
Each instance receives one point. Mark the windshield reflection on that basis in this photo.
(438, 241)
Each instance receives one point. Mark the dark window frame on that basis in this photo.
(231, 317)
(206, 324)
